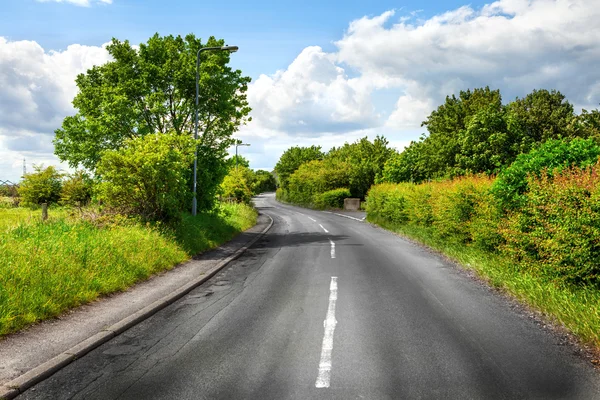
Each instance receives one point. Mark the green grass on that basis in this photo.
(48, 268)
(575, 308)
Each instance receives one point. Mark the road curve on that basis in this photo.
(325, 307)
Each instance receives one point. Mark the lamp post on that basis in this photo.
(236, 154)
(231, 49)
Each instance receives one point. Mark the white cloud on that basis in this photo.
(81, 3)
(37, 88)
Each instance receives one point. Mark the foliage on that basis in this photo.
(42, 186)
(553, 154)
(332, 198)
(237, 185)
(476, 133)
(557, 230)
(316, 177)
(50, 267)
(292, 159)
(148, 177)
(366, 160)
(77, 189)
(151, 90)
(264, 181)
(241, 161)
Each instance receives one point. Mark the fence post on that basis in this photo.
(44, 211)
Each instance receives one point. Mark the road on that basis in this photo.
(326, 307)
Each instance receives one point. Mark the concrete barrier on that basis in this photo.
(352, 204)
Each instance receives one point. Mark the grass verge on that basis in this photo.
(47, 268)
(576, 309)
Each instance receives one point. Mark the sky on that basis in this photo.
(323, 72)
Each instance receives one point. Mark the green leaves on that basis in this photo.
(42, 186)
(152, 90)
(148, 177)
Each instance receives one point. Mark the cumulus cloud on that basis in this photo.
(81, 3)
(37, 89)
(514, 45)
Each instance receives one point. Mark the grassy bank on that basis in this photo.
(50, 267)
(575, 308)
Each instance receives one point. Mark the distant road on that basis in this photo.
(326, 307)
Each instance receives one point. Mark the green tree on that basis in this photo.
(264, 182)
(540, 116)
(42, 186)
(152, 90)
(241, 162)
(292, 159)
(407, 166)
(77, 189)
(366, 160)
(587, 124)
(235, 185)
(148, 176)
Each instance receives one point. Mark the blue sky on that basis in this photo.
(270, 33)
(324, 72)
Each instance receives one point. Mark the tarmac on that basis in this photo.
(32, 355)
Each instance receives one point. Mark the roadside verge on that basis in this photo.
(33, 355)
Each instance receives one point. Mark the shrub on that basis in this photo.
(553, 154)
(41, 186)
(235, 186)
(77, 189)
(387, 202)
(148, 177)
(332, 198)
(557, 231)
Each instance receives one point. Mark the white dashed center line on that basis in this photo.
(332, 248)
(329, 323)
(326, 231)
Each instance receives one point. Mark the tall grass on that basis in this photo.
(47, 268)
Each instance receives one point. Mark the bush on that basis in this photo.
(148, 177)
(332, 198)
(553, 154)
(557, 231)
(77, 190)
(41, 186)
(235, 186)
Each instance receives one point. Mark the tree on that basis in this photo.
(241, 162)
(235, 185)
(151, 90)
(366, 160)
(148, 176)
(292, 159)
(406, 166)
(77, 189)
(540, 116)
(42, 186)
(264, 182)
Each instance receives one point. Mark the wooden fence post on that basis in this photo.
(44, 211)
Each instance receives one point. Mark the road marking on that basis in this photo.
(326, 231)
(326, 349)
(332, 248)
(345, 216)
(313, 220)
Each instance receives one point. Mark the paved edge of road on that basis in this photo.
(17, 386)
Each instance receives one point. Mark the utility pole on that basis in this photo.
(24, 168)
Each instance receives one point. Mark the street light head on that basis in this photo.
(231, 49)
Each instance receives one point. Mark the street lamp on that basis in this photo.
(231, 49)
(236, 156)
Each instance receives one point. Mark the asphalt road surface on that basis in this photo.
(326, 307)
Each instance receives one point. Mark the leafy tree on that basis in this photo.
(551, 156)
(540, 116)
(587, 124)
(407, 166)
(236, 186)
(77, 189)
(366, 160)
(264, 182)
(152, 90)
(446, 126)
(316, 177)
(292, 159)
(42, 186)
(148, 176)
(241, 162)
